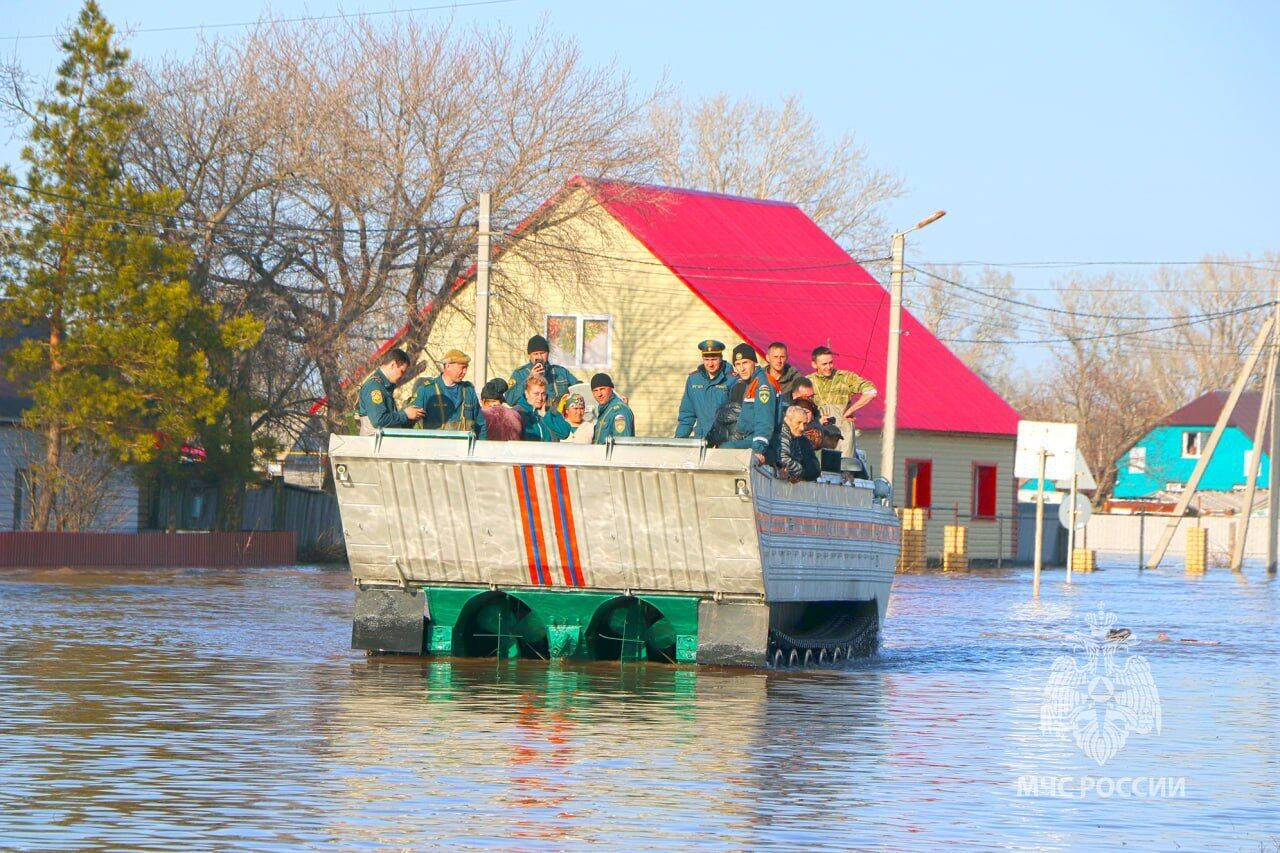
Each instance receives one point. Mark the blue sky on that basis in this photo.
(1135, 131)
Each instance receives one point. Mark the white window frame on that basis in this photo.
(579, 337)
(1199, 444)
(1138, 460)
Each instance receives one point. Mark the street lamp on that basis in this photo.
(889, 435)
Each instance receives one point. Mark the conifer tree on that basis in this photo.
(121, 363)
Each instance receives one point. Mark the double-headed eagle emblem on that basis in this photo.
(1106, 697)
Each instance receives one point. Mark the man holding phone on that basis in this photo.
(539, 364)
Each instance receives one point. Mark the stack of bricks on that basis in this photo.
(1083, 561)
(911, 557)
(955, 548)
(1197, 550)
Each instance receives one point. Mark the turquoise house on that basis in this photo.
(1163, 459)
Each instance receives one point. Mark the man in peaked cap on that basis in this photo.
(614, 417)
(705, 390)
(449, 401)
(759, 417)
(539, 364)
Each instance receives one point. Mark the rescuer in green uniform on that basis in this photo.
(613, 417)
(705, 391)
(539, 364)
(449, 401)
(759, 417)
(377, 406)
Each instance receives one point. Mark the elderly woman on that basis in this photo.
(574, 407)
(541, 420)
(790, 452)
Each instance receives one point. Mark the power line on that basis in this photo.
(1109, 335)
(1083, 314)
(1070, 264)
(339, 15)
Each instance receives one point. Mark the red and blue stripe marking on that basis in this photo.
(539, 554)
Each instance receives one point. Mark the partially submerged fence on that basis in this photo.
(312, 515)
(173, 550)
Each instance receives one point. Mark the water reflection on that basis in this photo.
(223, 709)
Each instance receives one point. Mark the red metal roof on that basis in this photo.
(772, 274)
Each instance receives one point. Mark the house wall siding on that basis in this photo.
(657, 321)
(119, 512)
(953, 457)
(1165, 463)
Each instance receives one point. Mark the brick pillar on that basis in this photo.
(955, 548)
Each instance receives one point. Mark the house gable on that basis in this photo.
(592, 266)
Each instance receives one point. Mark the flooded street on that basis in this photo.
(223, 709)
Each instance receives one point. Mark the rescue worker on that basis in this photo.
(782, 375)
(613, 417)
(705, 391)
(377, 406)
(839, 394)
(759, 417)
(449, 401)
(539, 364)
(542, 422)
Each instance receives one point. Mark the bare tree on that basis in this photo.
(744, 147)
(1094, 377)
(972, 317)
(332, 171)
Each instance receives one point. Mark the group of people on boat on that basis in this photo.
(784, 417)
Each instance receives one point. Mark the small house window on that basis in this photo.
(579, 341)
(1192, 445)
(1138, 460)
(919, 485)
(984, 491)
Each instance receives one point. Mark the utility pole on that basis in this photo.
(1206, 454)
(1071, 530)
(482, 294)
(1273, 483)
(1255, 458)
(1039, 563)
(889, 434)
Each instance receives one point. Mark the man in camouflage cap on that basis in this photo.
(449, 401)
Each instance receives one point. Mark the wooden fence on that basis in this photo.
(173, 550)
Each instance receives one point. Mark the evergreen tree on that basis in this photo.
(122, 365)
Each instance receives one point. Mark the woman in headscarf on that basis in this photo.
(574, 407)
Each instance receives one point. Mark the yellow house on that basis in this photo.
(627, 279)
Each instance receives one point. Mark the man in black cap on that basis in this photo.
(759, 416)
(705, 391)
(539, 364)
(613, 417)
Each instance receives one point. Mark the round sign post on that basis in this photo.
(1083, 508)
(1072, 518)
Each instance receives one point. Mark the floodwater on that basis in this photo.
(195, 709)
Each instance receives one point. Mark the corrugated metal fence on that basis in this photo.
(147, 549)
(309, 513)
